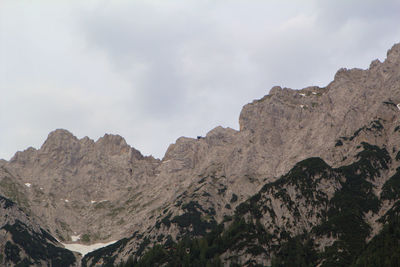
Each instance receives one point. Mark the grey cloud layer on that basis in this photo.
(156, 70)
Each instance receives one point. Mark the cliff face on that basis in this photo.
(72, 185)
(296, 124)
(106, 190)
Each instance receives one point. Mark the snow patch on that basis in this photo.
(28, 184)
(314, 93)
(302, 94)
(302, 106)
(398, 106)
(75, 238)
(92, 201)
(66, 200)
(85, 249)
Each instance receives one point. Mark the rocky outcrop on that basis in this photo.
(73, 184)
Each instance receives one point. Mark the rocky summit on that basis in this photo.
(312, 178)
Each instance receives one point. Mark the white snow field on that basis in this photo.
(85, 249)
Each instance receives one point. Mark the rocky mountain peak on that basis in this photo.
(68, 177)
(24, 156)
(313, 117)
(113, 139)
(393, 54)
(59, 139)
(115, 145)
(60, 134)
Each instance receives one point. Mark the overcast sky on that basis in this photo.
(152, 71)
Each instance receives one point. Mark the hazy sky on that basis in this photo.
(153, 71)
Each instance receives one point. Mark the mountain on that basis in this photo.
(311, 177)
(349, 131)
(75, 186)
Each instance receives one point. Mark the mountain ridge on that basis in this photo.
(106, 190)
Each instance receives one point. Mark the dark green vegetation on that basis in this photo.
(12, 252)
(6, 202)
(299, 250)
(36, 246)
(340, 218)
(383, 249)
(374, 127)
(105, 254)
(239, 235)
(390, 103)
(344, 218)
(28, 247)
(391, 189)
(193, 219)
(339, 143)
(206, 251)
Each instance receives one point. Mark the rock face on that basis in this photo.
(106, 190)
(293, 124)
(314, 215)
(74, 186)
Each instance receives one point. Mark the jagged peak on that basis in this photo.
(274, 90)
(181, 145)
(58, 137)
(116, 144)
(393, 54)
(114, 139)
(61, 133)
(345, 74)
(348, 85)
(24, 156)
(63, 140)
(220, 132)
(374, 64)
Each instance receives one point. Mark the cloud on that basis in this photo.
(155, 70)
